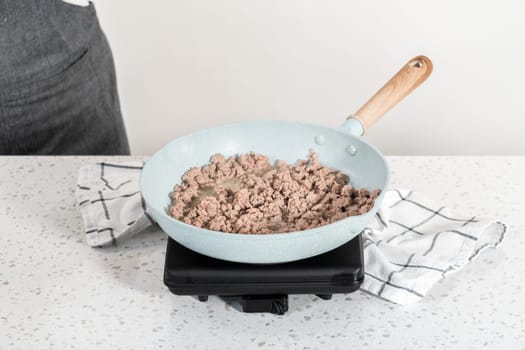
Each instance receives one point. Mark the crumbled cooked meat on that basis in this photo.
(246, 194)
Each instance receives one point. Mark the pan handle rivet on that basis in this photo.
(351, 150)
(320, 140)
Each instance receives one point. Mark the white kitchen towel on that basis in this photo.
(411, 244)
(108, 196)
(414, 242)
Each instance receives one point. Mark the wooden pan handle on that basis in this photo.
(397, 88)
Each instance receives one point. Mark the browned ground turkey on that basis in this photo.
(245, 194)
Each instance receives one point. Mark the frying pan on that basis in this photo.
(341, 149)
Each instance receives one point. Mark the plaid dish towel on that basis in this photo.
(108, 196)
(412, 243)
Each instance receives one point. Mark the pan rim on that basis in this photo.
(277, 235)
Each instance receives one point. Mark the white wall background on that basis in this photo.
(186, 65)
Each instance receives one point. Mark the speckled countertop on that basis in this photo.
(55, 292)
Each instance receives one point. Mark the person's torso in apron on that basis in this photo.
(57, 82)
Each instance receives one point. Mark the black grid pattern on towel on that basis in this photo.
(102, 198)
(103, 165)
(433, 214)
(109, 229)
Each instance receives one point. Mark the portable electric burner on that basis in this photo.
(264, 287)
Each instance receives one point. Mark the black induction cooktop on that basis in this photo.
(264, 287)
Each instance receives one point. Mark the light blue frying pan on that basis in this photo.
(341, 149)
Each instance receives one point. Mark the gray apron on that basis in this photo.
(58, 93)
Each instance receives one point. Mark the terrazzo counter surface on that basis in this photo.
(56, 292)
